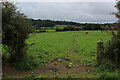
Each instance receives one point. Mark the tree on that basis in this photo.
(16, 28)
(112, 51)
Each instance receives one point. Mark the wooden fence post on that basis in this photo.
(100, 50)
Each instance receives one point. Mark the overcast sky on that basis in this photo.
(99, 12)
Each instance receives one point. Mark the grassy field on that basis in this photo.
(60, 26)
(58, 44)
(77, 46)
(72, 47)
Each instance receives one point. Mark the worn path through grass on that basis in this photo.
(72, 48)
(58, 50)
(52, 69)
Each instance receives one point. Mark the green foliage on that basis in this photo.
(36, 76)
(4, 75)
(40, 30)
(15, 30)
(31, 76)
(113, 48)
(107, 67)
(68, 28)
(113, 51)
(106, 76)
(92, 27)
(52, 23)
(27, 64)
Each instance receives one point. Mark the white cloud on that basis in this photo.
(76, 11)
(64, 0)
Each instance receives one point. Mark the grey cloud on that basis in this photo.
(70, 11)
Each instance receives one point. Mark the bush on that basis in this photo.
(107, 67)
(109, 76)
(27, 64)
(40, 30)
(43, 30)
(69, 28)
(113, 50)
(57, 29)
(16, 28)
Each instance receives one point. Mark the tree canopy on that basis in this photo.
(16, 28)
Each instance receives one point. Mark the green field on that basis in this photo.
(58, 44)
(52, 29)
(74, 47)
(61, 46)
(60, 26)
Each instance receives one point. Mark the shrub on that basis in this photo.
(58, 29)
(112, 50)
(27, 64)
(107, 67)
(16, 28)
(109, 76)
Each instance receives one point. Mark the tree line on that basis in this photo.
(86, 26)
